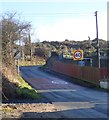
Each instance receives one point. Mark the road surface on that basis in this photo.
(71, 100)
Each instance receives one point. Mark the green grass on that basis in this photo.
(26, 91)
(44, 66)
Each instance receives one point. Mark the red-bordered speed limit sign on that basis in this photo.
(78, 54)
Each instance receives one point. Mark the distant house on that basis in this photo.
(74, 46)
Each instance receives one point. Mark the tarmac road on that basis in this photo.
(71, 100)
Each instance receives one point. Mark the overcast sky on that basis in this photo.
(57, 21)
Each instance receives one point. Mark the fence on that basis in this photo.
(89, 74)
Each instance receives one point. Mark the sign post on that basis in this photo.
(17, 56)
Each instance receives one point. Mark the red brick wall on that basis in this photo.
(90, 74)
(104, 72)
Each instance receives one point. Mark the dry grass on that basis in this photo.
(13, 86)
(11, 74)
(35, 61)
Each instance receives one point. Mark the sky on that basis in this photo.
(60, 20)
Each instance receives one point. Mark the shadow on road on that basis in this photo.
(72, 114)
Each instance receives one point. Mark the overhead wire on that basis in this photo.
(58, 13)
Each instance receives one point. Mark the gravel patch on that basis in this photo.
(27, 110)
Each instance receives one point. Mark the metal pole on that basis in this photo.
(18, 60)
(98, 49)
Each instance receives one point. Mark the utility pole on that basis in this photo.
(18, 67)
(98, 48)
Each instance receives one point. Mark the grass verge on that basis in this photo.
(26, 91)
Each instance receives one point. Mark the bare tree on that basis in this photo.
(12, 31)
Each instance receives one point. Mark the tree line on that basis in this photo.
(15, 31)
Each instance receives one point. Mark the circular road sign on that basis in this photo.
(78, 54)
